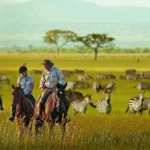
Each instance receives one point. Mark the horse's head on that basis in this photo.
(61, 90)
(17, 95)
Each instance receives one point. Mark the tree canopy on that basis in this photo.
(59, 38)
(96, 41)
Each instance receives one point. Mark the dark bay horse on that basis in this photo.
(57, 106)
(24, 108)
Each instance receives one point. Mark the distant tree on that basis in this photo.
(96, 41)
(30, 46)
(59, 38)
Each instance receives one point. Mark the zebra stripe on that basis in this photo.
(81, 106)
(104, 106)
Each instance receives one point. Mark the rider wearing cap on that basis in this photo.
(50, 77)
(26, 82)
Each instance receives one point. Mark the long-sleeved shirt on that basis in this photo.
(50, 78)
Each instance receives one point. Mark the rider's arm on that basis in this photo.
(42, 82)
(61, 77)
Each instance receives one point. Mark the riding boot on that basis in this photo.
(1, 108)
(41, 109)
(13, 114)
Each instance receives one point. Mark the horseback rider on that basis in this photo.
(26, 82)
(50, 77)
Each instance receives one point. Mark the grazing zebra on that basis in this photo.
(5, 79)
(105, 76)
(81, 106)
(104, 106)
(37, 71)
(97, 86)
(78, 71)
(130, 71)
(72, 95)
(83, 77)
(109, 86)
(135, 104)
(71, 86)
(142, 86)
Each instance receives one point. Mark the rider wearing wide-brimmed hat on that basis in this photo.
(50, 77)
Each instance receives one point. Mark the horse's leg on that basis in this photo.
(51, 123)
(21, 127)
(38, 126)
(63, 126)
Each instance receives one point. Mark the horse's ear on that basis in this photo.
(13, 86)
(65, 85)
(58, 85)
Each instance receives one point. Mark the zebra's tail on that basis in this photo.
(127, 109)
(92, 105)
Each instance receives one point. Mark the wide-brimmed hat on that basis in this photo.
(47, 63)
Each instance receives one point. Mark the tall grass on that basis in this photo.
(90, 131)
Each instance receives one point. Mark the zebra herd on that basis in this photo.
(135, 104)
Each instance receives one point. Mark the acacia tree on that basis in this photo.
(96, 41)
(59, 38)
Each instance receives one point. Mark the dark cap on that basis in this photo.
(47, 63)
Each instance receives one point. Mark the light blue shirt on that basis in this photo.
(25, 83)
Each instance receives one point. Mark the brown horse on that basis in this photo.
(24, 108)
(57, 106)
(1, 103)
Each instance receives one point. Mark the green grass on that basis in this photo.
(90, 131)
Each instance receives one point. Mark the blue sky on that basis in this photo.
(137, 3)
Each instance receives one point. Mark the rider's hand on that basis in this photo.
(42, 89)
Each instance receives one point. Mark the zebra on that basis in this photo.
(109, 86)
(104, 106)
(97, 86)
(71, 86)
(142, 86)
(81, 106)
(135, 104)
(83, 77)
(37, 72)
(105, 76)
(130, 71)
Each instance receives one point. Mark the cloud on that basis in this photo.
(111, 3)
(13, 1)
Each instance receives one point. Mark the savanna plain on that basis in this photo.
(116, 131)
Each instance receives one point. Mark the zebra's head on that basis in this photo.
(88, 98)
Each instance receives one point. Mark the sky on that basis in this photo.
(137, 3)
(13, 1)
